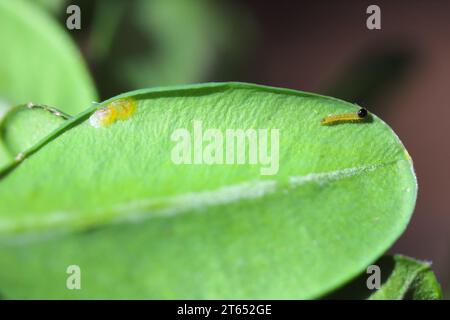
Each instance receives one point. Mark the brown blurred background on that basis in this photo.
(401, 72)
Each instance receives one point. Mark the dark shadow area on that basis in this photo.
(128, 42)
(372, 75)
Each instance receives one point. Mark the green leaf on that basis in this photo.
(39, 61)
(410, 279)
(53, 6)
(112, 201)
(402, 278)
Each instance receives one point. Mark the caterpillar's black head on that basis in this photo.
(362, 113)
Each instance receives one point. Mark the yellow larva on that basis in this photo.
(120, 109)
(345, 117)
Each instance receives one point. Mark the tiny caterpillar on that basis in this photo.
(120, 109)
(345, 117)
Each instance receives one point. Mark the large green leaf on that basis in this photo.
(112, 201)
(39, 62)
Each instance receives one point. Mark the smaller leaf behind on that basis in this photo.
(402, 278)
(410, 280)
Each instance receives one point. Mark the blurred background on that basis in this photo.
(401, 72)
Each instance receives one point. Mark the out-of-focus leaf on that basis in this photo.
(39, 62)
(410, 279)
(402, 278)
(107, 18)
(165, 42)
(53, 6)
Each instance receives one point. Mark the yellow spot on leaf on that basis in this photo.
(120, 109)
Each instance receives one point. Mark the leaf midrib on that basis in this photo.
(143, 209)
